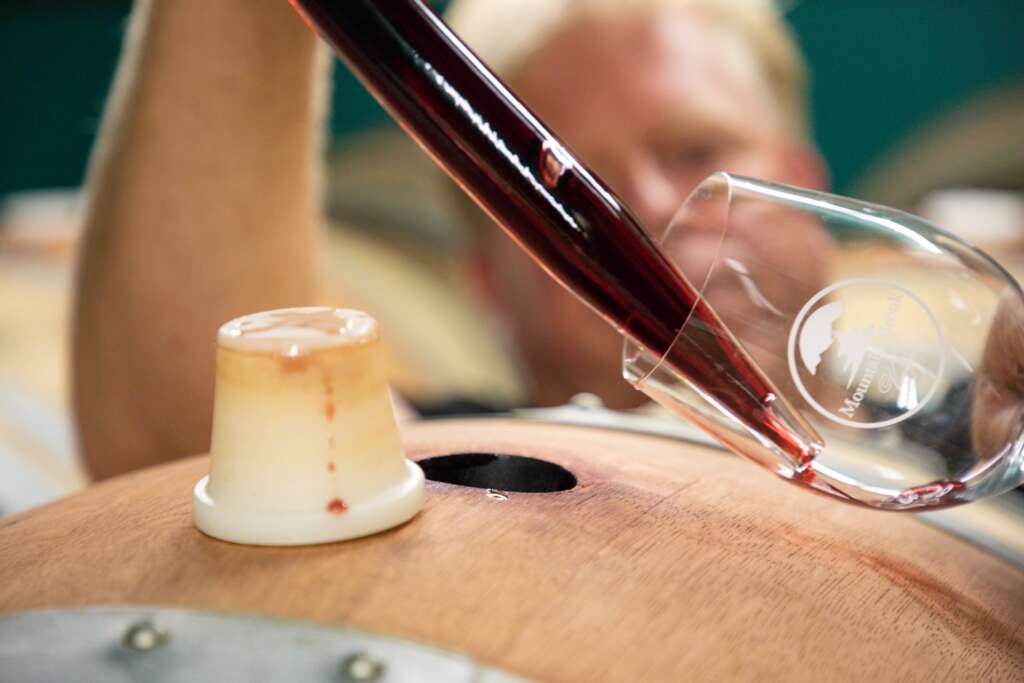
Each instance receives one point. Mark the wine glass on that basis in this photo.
(899, 346)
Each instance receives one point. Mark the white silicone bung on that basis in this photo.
(304, 447)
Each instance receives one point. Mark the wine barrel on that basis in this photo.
(658, 561)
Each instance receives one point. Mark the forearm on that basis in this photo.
(202, 205)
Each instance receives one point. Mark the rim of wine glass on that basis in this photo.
(631, 344)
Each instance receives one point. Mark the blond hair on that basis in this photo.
(504, 33)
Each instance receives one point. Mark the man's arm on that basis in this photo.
(202, 206)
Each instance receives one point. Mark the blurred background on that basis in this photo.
(916, 104)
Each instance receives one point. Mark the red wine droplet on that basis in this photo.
(553, 162)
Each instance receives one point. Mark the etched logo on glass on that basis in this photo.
(866, 353)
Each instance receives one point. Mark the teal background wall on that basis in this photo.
(879, 69)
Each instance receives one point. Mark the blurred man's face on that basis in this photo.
(653, 104)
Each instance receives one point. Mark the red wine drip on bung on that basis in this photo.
(545, 199)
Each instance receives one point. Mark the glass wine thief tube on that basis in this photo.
(544, 198)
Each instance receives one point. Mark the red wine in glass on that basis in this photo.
(546, 200)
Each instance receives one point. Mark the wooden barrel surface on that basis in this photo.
(666, 562)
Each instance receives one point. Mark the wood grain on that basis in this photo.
(666, 562)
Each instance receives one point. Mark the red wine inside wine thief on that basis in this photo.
(545, 199)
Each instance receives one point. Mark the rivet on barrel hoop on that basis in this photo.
(143, 636)
(360, 667)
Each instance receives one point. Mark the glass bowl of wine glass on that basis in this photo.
(893, 349)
